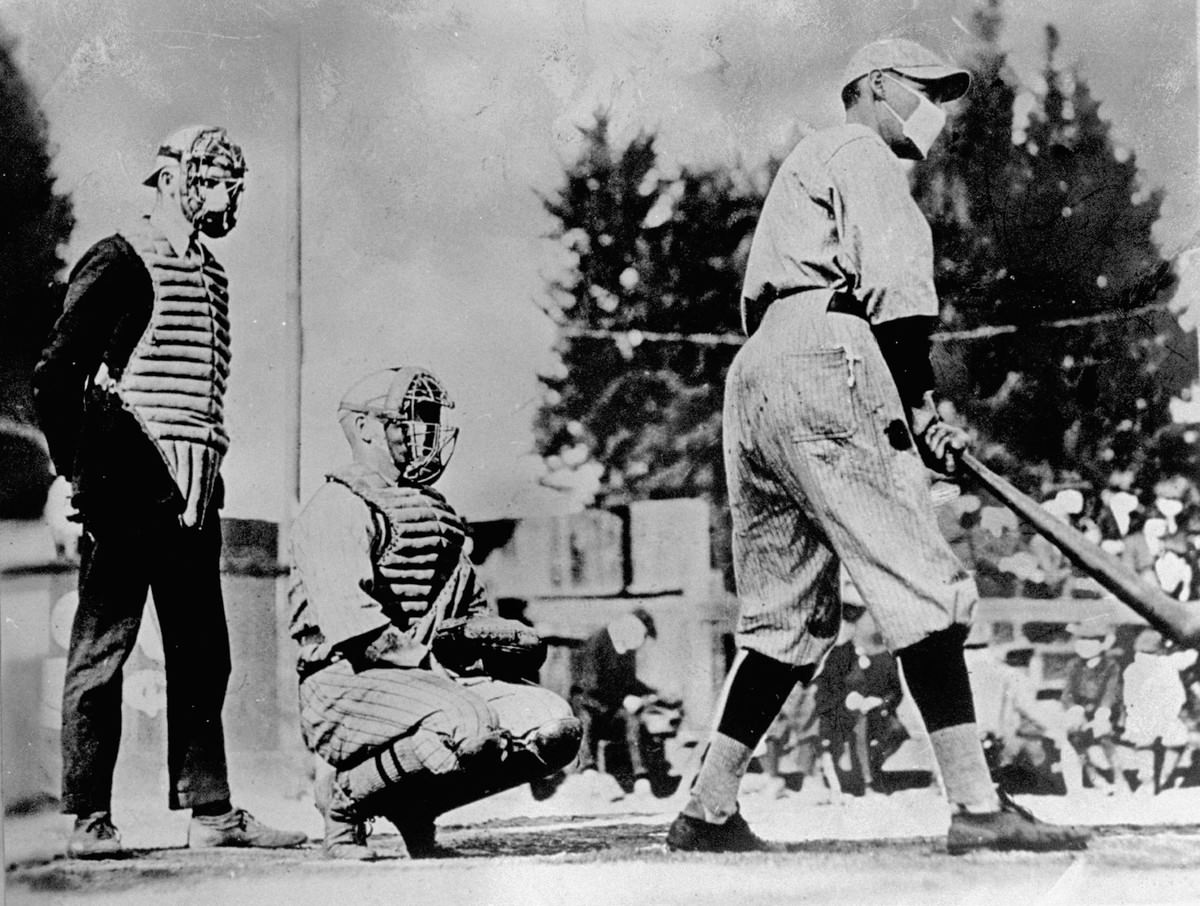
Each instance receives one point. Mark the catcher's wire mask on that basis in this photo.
(427, 440)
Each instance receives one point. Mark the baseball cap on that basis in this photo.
(648, 621)
(385, 391)
(912, 60)
(1091, 629)
(181, 142)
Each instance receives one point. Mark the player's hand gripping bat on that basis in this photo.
(1175, 619)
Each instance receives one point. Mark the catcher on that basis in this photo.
(403, 665)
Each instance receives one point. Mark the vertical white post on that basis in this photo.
(294, 316)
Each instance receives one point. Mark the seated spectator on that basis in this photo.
(1172, 567)
(1091, 700)
(1014, 724)
(996, 538)
(790, 752)
(612, 701)
(858, 691)
(1154, 697)
(958, 519)
(1139, 552)
(1120, 506)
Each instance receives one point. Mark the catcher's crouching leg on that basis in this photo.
(400, 772)
(535, 754)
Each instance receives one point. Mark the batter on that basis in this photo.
(830, 426)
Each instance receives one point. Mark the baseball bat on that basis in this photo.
(1175, 619)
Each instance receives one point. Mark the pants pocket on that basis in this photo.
(823, 381)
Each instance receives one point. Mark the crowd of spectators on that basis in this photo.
(1118, 714)
(1155, 533)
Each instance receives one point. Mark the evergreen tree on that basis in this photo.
(656, 254)
(34, 222)
(1033, 222)
(1040, 222)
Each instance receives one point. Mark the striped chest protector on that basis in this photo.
(176, 376)
(418, 541)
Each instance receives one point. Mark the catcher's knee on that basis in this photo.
(556, 742)
(483, 751)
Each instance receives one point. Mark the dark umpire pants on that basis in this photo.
(616, 724)
(120, 560)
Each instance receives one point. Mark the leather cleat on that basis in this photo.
(1011, 828)
(238, 827)
(94, 837)
(688, 834)
(345, 831)
(420, 838)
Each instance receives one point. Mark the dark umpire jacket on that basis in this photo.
(605, 676)
(112, 462)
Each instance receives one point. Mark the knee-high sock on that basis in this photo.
(754, 692)
(412, 759)
(386, 769)
(937, 677)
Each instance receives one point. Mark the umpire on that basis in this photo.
(130, 393)
(829, 427)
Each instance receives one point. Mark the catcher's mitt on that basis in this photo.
(494, 645)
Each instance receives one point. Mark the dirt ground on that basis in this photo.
(887, 850)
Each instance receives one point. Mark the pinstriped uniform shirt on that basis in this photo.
(840, 216)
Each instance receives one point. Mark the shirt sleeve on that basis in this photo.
(331, 550)
(885, 243)
(905, 345)
(107, 285)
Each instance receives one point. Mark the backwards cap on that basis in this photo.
(384, 392)
(414, 398)
(186, 142)
(912, 60)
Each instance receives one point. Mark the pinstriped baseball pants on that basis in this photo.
(347, 716)
(814, 482)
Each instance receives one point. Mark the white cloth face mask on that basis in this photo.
(924, 124)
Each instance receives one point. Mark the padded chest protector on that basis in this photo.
(176, 377)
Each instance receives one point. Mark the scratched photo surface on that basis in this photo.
(402, 158)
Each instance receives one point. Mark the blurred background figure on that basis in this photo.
(997, 538)
(1139, 552)
(1024, 739)
(791, 752)
(857, 693)
(619, 709)
(1091, 700)
(1173, 568)
(1155, 697)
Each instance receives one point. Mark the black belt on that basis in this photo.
(847, 304)
(841, 303)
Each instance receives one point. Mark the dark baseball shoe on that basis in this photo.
(94, 837)
(237, 827)
(1011, 828)
(695, 835)
(345, 831)
(420, 837)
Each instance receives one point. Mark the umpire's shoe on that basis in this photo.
(1011, 828)
(688, 834)
(237, 827)
(94, 837)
